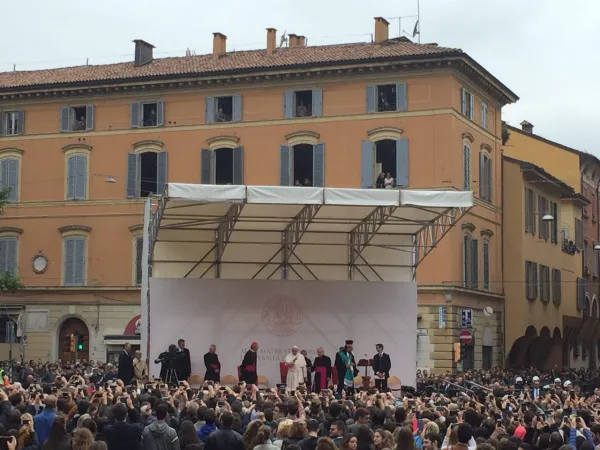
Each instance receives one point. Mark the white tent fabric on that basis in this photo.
(275, 232)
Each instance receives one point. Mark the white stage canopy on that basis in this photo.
(302, 233)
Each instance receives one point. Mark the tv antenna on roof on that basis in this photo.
(283, 39)
(417, 27)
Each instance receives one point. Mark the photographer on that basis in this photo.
(169, 361)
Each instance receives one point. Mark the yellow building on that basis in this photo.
(543, 230)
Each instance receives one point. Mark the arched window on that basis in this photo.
(146, 169)
(77, 170)
(302, 160)
(75, 239)
(485, 174)
(222, 162)
(10, 172)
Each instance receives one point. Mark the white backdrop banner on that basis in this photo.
(279, 314)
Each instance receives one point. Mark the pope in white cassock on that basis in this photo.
(296, 365)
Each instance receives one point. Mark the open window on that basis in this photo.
(226, 108)
(146, 173)
(467, 103)
(147, 114)
(224, 166)
(77, 118)
(306, 103)
(302, 165)
(384, 163)
(12, 123)
(386, 97)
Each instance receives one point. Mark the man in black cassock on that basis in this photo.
(322, 370)
(381, 368)
(213, 366)
(248, 367)
(345, 364)
(184, 363)
(125, 371)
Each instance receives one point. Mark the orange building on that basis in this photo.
(82, 146)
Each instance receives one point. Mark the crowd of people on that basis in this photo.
(86, 406)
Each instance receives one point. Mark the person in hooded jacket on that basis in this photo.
(159, 435)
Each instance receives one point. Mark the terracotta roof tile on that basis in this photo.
(234, 61)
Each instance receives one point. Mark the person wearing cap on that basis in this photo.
(296, 366)
(248, 368)
(345, 364)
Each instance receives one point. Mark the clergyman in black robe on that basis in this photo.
(248, 366)
(322, 370)
(213, 366)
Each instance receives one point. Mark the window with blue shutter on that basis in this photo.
(238, 166)
(161, 172)
(8, 255)
(209, 110)
(148, 114)
(318, 165)
(9, 177)
(77, 177)
(12, 123)
(367, 164)
(306, 103)
(139, 248)
(135, 114)
(132, 185)
(237, 108)
(387, 97)
(206, 157)
(485, 177)
(486, 265)
(402, 162)
(467, 103)
(77, 118)
(484, 115)
(286, 160)
(466, 167)
(223, 109)
(74, 261)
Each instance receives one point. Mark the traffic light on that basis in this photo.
(79, 342)
(72, 343)
(463, 351)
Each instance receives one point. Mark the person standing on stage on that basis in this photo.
(322, 370)
(248, 367)
(296, 365)
(213, 366)
(381, 368)
(345, 365)
(308, 369)
(125, 373)
(184, 365)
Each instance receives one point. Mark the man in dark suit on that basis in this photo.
(184, 365)
(381, 368)
(123, 435)
(125, 372)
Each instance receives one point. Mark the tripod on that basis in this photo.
(170, 376)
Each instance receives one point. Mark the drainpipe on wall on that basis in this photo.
(503, 318)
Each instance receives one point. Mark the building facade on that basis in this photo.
(84, 146)
(579, 332)
(543, 303)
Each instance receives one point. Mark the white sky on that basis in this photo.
(546, 51)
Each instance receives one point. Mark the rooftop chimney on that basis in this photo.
(219, 45)
(381, 30)
(271, 40)
(296, 41)
(527, 127)
(143, 52)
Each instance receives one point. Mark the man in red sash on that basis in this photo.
(322, 370)
(248, 367)
(213, 366)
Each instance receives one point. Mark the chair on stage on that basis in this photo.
(263, 382)
(394, 383)
(229, 380)
(283, 370)
(196, 381)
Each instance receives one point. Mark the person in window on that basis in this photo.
(380, 182)
(151, 120)
(388, 181)
(307, 182)
(80, 124)
(297, 183)
(383, 103)
(301, 109)
(221, 116)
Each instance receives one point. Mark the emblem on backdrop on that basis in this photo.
(282, 315)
